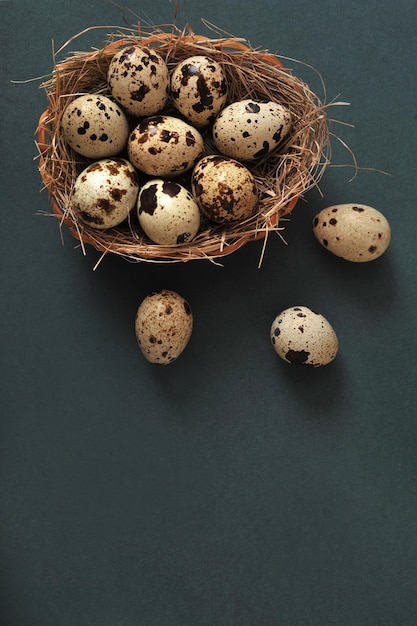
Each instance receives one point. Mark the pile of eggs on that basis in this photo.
(159, 147)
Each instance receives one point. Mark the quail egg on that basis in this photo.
(163, 326)
(139, 80)
(224, 188)
(167, 212)
(303, 337)
(247, 130)
(105, 192)
(199, 89)
(164, 145)
(355, 232)
(95, 126)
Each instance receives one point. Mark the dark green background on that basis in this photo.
(227, 489)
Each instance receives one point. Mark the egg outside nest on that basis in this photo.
(282, 176)
(355, 232)
(163, 326)
(304, 337)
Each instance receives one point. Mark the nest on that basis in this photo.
(283, 176)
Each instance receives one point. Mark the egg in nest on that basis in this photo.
(164, 146)
(105, 192)
(247, 130)
(224, 188)
(139, 80)
(95, 126)
(167, 212)
(199, 89)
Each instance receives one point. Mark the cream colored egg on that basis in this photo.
(355, 232)
(164, 145)
(105, 192)
(167, 212)
(224, 188)
(139, 80)
(303, 337)
(163, 325)
(95, 126)
(247, 130)
(199, 89)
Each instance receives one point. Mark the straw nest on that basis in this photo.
(283, 176)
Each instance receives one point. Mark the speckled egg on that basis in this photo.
(247, 130)
(164, 145)
(95, 126)
(139, 80)
(303, 337)
(105, 192)
(224, 188)
(167, 212)
(355, 232)
(163, 325)
(199, 89)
